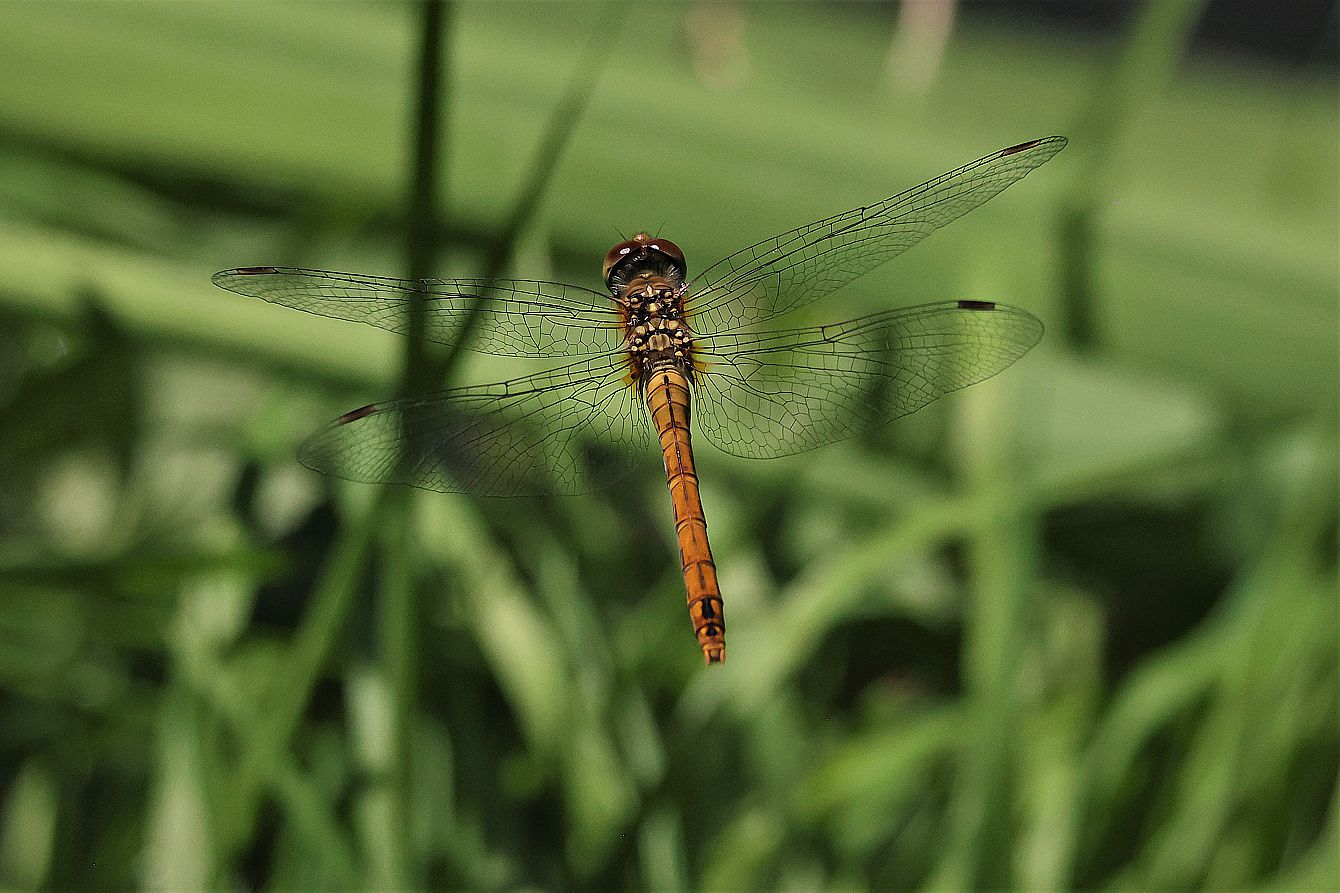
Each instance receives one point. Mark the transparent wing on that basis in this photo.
(519, 318)
(567, 430)
(767, 395)
(780, 274)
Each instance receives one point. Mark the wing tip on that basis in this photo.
(247, 271)
(1058, 142)
(1038, 329)
(354, 415)
(324, 451)
(227, 278)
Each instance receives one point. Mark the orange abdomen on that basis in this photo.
(668, 399)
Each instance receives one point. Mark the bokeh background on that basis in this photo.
(1072, 628)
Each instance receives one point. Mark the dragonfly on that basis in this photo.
(657, 356)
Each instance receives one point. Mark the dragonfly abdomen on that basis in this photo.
(668, 399)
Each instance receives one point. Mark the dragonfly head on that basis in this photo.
(642, 250)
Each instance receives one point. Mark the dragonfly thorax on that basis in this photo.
(655, 331)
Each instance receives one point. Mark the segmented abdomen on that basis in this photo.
(668, 397)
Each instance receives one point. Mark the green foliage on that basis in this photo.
(1074, 628)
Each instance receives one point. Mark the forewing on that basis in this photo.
(517, 317)
(788, 271)
(567, 430)
(762, 396)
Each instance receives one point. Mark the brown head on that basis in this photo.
(643, 251)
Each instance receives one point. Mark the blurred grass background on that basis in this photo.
(1072, 628)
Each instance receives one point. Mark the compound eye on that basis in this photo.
(670, 250)
(618, 253)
